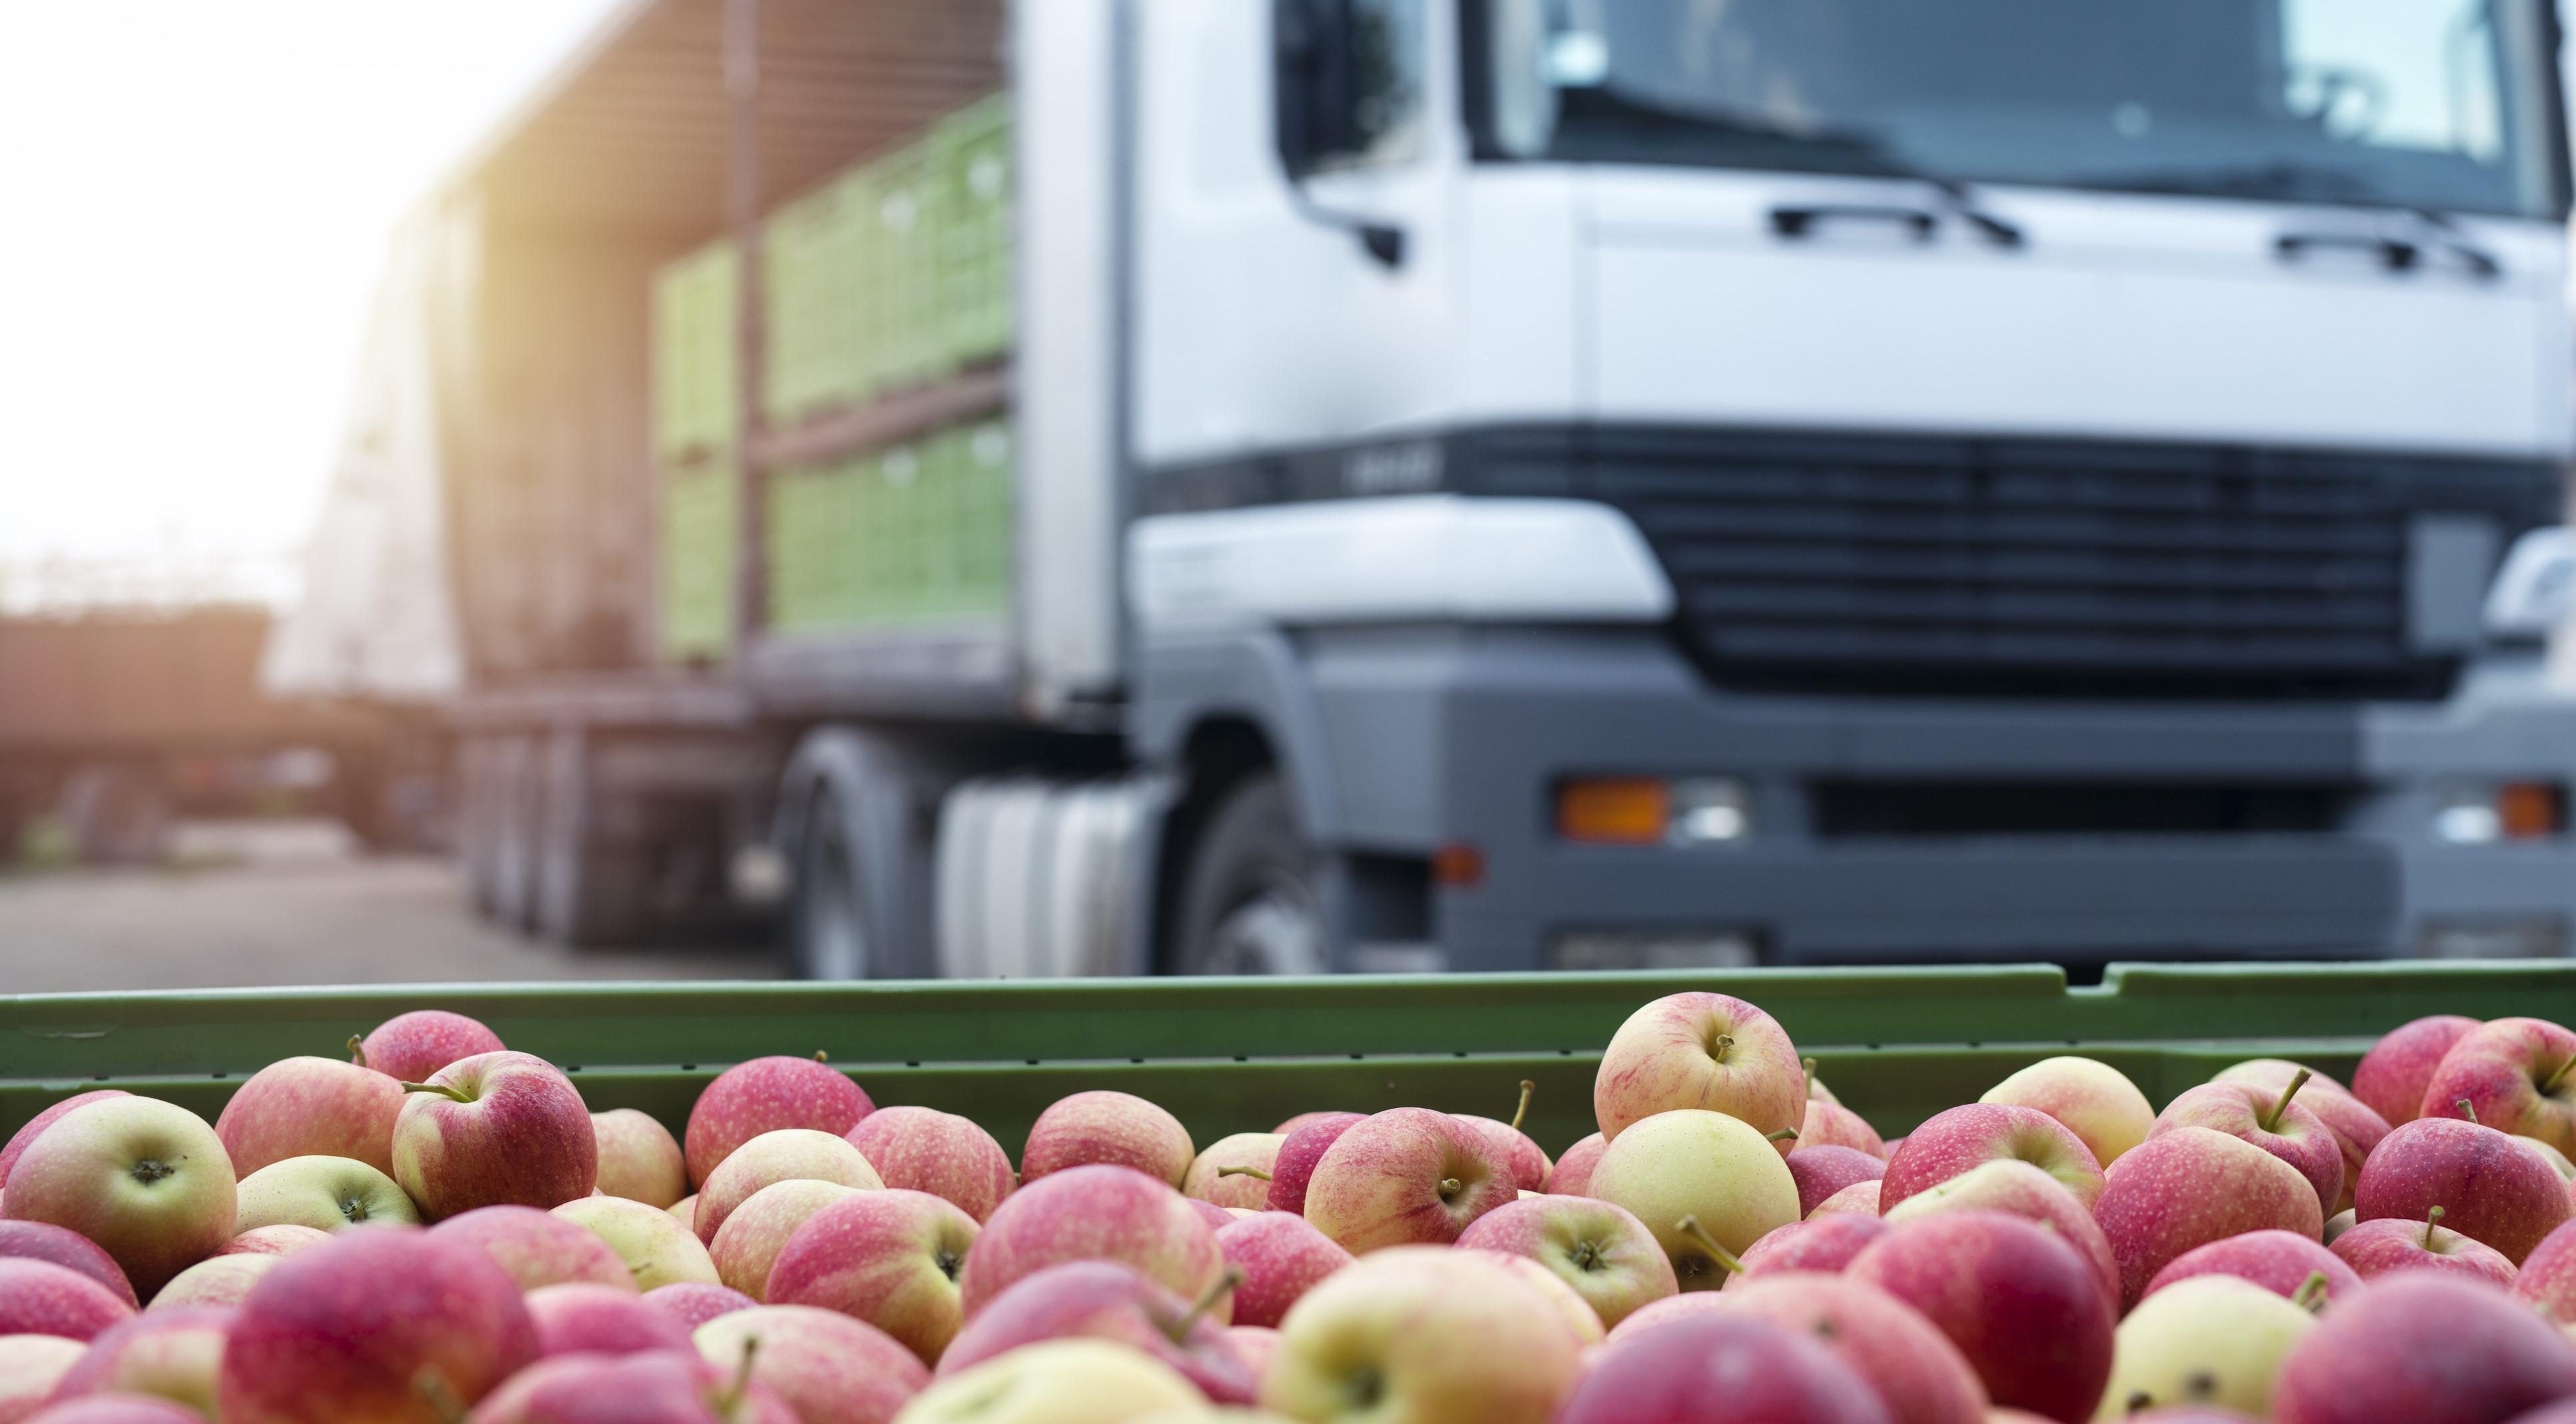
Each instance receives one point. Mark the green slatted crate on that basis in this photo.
(970, 158)
(901, 286)
(700, 532)
(816, 303)
(696, 395)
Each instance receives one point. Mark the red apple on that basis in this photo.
(1095, 1212)
(1822, 1171)
(663, 1388)
(2278, 1124)
(1572, 1175)
(2394, 1073)
(829, 1368)
(538, 1248)
(787, 1155)
(2025, 1308)
(890, 1258)
(1257, 1344)
(2548, 1276)
(2490, 1187)
(2278, 1261)
(579, 1318)
(769, 1095)
(1406, 1175)
(216, 1280)
(1830, 1124)
(1318, 1115)
(639, 1159)
(2020, 1189)
(922, 1150)
(30, 1366)
(2517, 1076)
(492, 1129)
(1606, 1254)
(1103, 1128)
(1823, 1244)
(1281, 1257)
(1108, 1301)
(1234, 1171)
(1721, 1369)
(283, 1239)
(2377, 1248)
(145, 1180)
(311, 1107)
(1858, 1199)
(1663, 1312)
(2189, 1187)
(60, 1246)
(1962, 1138)
(694, 1303)
(1300, 1148)
(1912, 1367)
(752, 1237)
(169, 1354)
(2355, 1127)
(410, 1047)
(1529, 1163)
(2425, 1349)
(117, 1409)
(2095, 1101)
(350, 1330)
(18, 1140)
(41, 1298)
(1707, 1051)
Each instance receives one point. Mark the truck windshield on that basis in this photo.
(2429, 104)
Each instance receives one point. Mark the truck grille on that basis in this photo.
(1911, 565)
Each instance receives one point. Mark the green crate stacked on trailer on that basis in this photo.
(901, 265)
(701, 511)
(971, 163)
(816, 302)
(696, 396)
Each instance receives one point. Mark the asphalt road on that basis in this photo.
(301, 913)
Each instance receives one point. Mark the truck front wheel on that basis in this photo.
(1249, 904)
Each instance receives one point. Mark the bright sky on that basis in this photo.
(194, 201)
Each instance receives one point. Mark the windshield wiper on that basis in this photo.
(2299, 182)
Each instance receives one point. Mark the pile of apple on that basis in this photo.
(442, 1230)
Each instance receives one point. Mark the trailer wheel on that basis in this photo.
(854, 827)
(1249, 904)
(827, 933)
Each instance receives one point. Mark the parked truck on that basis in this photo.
(1121, 486)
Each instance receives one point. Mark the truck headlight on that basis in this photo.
(2514, 811)
(1646, 810)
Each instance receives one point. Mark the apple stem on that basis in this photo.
(1243, 1172)
(2467, 1109)
(731, 1399)
(1725, 1044)
(1225, 1285)
(2430, 1218)
(434, 1389)
(2271, 1121)
(1689, 1226)
(2311, 1294)
(441, 1089)
(821, 1057)
(1786, 1134)
(2551, 1084)
(1528, 1088)
(1450, 1186)
(357, 1050)
(1808, 1067)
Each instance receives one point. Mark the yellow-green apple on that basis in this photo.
(1605, 1253)
(1094, 1212)
(829, 1368)
(1572, 1174)
(747, 1245)
(787, 1155)
(1103, 1128)
(2024, 1307)
(41, 1298)
(2394, 1073)
(1820, 1243)
(1301, 1146)
(1973, 1134)
(216, 1280)
(924, 1150)
(1257, 1344)
(1910, 1365)
(538, 1248)
(1406, 1176)
(660, 1388)
(2211, 1342)
(2192, 1186)
(1234, 1171)
(1281, 1257)
(2095, 1101)
(1709, 1052)
(1423, 1335)
(1705, 1165)
(769, 1095)
(657, 1250)
(166, 1354)
(2355, 1127)
(890, 1258)
(1059, 1382)
(147, 1181)
(325, 1193)
(281, 1240)
(578, 1318)
(2426, 1348)
(2278, 1124)
(694, 1303)
(1104, 1300)
(1858, 1199)
(18, 1140)
(43, 1241)
(1822, 1171)
(1529, 1162)
(409, 1047)
(2515, 1075)
(2490, 1187)
(2377, 1248)
(311, 1107)
(2279, 1261)
(1580, 1319)
(349, 1330)
(492, 1129)
(639, 1159)
(1673, 1375)
(2022, 1190)
(30, 1367)
(1830, 1124)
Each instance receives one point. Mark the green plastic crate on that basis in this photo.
(971, 162)
(1232, 1055)
(816, 302)
(701, 510)
(696, 381)
(902, 271)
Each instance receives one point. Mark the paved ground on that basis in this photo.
(287, 906)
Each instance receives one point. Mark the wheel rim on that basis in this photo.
(836, 939)
(1276, 929)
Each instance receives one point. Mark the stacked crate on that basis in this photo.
(696, 417)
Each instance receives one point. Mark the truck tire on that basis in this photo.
(1249, 903)
(478, 849)
(855, 829)
(589, 886)
(517, 802)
